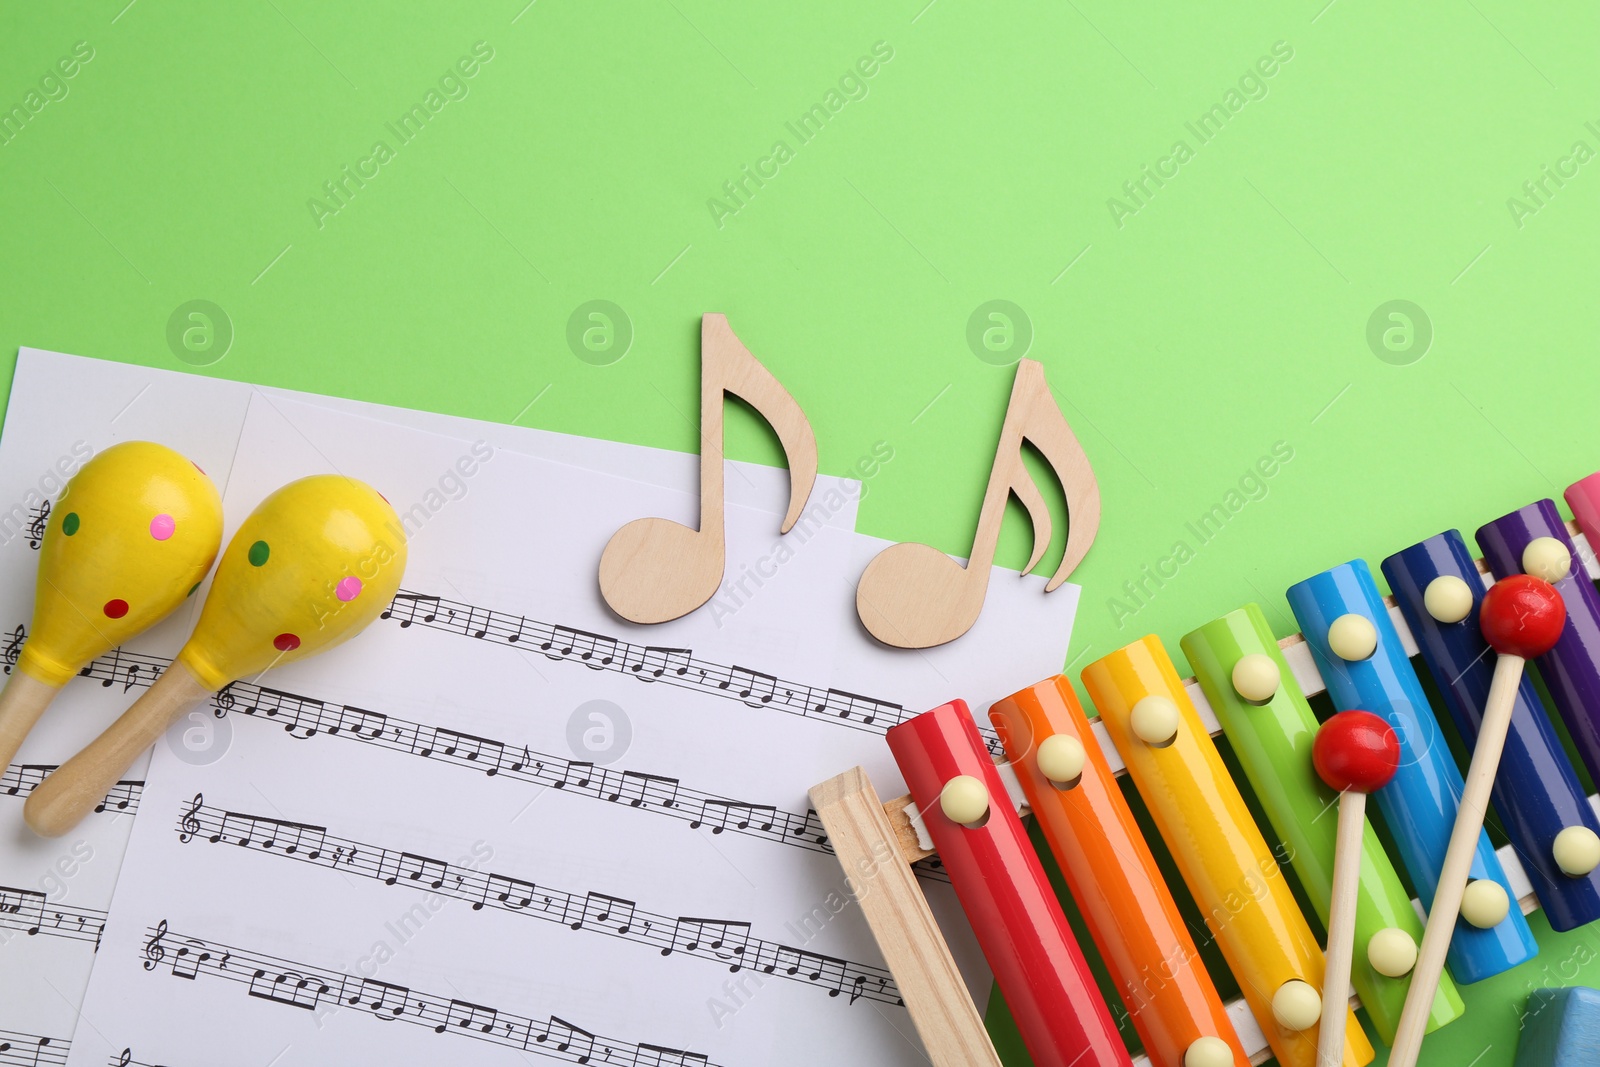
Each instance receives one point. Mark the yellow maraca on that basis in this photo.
(132, 535)
(313, 564)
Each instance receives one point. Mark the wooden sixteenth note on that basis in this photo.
(1356, 753)
(310, 567)
(1521, 617)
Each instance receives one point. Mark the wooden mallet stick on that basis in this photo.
(1356, 753)
(1521, 617)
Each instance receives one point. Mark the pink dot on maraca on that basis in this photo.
(161, 527)
(1356, 750)
(1522, 616)
(348, 588)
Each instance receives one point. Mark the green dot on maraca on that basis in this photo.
(259, 553)
(69, 525)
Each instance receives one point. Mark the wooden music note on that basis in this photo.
(914, 596)
(655, 570)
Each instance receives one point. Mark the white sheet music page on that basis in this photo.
(503, 826)
(62, 410)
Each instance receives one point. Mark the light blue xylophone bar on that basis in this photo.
(1419, 805)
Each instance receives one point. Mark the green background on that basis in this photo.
(1183, 340)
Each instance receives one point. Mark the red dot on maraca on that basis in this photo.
(286, 642)
(115, 609)
(1522, 616)
(1356, 750)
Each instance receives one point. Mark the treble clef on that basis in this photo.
(124, 1059)
(189, 825)
(41, 517)
(153, 952)
(223, 701)
(13, 647)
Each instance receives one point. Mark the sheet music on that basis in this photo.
(62, 410)
(428, 826)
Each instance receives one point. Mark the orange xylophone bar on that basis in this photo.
(1114, 878)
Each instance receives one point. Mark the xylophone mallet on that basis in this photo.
(1521, 618)
(1355, 753)
(310, 567)
(131, 536)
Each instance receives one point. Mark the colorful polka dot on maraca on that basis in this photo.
(162, 526)
(348, 588)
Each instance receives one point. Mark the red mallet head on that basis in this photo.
(1522, 616)
(1356, 750)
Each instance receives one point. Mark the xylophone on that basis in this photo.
(965, 803)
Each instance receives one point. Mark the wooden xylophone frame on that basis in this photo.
(879, 840)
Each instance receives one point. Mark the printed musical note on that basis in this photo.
(23, 778)
(913, 596)
(288, 987)
(21, 909)
(638, 790)
(429, 872)
(654, 570)
(512, 893)
(725, 940)
(292, 837)
(13, 647)
(661, 1056)
(154, 952)
(866, 709)
(110, 678)
(30, 1050)
(564, 1037)
(413, 603)
(658, 661)
(189, 825)
(474, 1016)
(189, 957)
(482, 751)
(752, 687)
(383, 999)
(360, 722)
(601, 908)
(37, 525)
(575, 774)
(598, 651)
(721, 814)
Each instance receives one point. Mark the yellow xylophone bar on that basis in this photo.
(1225, 862)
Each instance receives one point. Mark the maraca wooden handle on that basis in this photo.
(62, 800)
(23, 701)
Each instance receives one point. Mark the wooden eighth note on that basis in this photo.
(914, 596)
(656, 570)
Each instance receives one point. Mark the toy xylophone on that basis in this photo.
(1157, 729)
